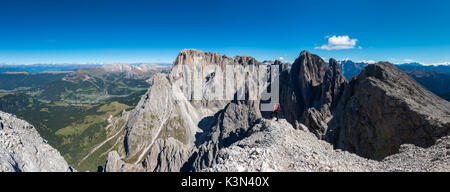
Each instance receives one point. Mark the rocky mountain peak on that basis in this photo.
(308, 69)
(194, 56)
(383, 108)
(383, 71)
(311, 84)
(334, 65)
(305, 53)
(246, 60)
(277, 62)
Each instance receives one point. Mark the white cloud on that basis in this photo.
(408, 60)
(368, 61)
(339, 43)
(281, 58)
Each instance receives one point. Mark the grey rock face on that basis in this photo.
(384, 108)
(114, 163)
(196, 57)
(161, 131)
(159, 114)
(235, 122)
(311, 84)
(276, 146)
(23, 150)
(315, 121)
(279, 147)
(167, 155)
(333, 86)
(303, 88)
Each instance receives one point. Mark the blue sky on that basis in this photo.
(108, 31)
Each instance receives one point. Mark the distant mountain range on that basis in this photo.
(39, 68)
(433, 77)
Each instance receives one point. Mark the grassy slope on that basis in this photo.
(75, 129)
(72, 129)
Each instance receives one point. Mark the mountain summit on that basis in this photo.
(383, 108)
(310, 90)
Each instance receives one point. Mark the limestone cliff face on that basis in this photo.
(169, 117)
(195, 57)
(310, 83)
(161, 113)
(23, 150)
(383, 108)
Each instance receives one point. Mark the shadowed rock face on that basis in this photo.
(235, 122)
(333, 85)
(23, 150)
(383, 108)
(310, 83)
(305, 77)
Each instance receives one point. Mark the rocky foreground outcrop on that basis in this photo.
(384, 108)
(277, 146)
(23, 150)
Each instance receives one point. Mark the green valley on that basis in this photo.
(72, 111)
